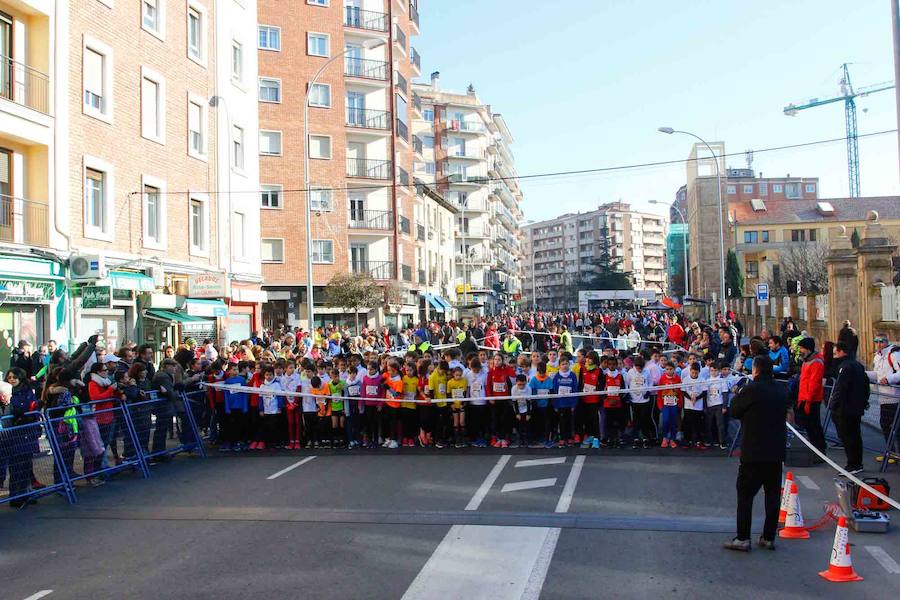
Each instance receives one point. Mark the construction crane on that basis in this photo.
(848, 96)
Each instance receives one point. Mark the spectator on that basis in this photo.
(849, 401)
(849, 336)
(811, 393)
(886, 375)
(778, 354)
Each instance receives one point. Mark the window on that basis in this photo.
(269, 90)
(153, 106)
(195, 34)
(320, 95)
(154, 213)
(321, 199)
(322, 251)
(317, 44)
(197, 127)
(94, 199)
(428, 142)
(751, 267)
(237, 235)
(731, 189)
(237, 145)
(428, 114)
(270, 143)
(320, 146)
(237, 61)
(751, 237)
(429, 168)
(798, 235)
(271, 250)
(97, 73)
(748, 189)
(792, 190)
(199, 225)
(777, 188)
(153, 17)
(317, 2)
(269, 38)
(763, 189)
(270, 196)
(812, 235)
(765, 237)
(810, 188)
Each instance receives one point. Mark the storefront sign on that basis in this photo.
(123, 295)
(205, 308)
(208, 285)
(249, 296)
(26, 291)
(96, 296)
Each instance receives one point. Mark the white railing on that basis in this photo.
(890, 304)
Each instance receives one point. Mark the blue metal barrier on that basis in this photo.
(194, 405)
(154, 418)
(27, 454)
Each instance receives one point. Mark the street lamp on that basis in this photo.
(215, 102)
(669, 130)
(684, 239)
(310, 312)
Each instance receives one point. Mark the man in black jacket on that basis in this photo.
(849, 401)
(762, 408)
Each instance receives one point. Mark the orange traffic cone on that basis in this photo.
(793, 523)
(785, 496)
(840, 568)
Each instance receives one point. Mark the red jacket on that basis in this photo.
(95, 392)
(812, 371)
(501, 378)
(613, 400)
(666, 380)
(591, 377)
(215, 395)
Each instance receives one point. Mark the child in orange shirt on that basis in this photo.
(323, 430)
(393, 383)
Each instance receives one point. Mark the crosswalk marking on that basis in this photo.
(539, 462)
(518, 486)
(884, 559)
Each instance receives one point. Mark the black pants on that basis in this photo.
(566, 419)
(752, 476)
(692, 426)
(812, 423)
(643, 420)
(502, 417)
(539, 424)
(615, 423)
(476, 420)
(886, 420)
(591, 419)
(848, 428)
(311, 427)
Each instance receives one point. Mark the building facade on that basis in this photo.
(466, 151)
(560, 253)
(362, 199)
(676, 249)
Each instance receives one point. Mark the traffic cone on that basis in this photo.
(793, 523)
(840, 567)
(785, 496)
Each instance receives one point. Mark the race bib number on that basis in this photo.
(590, 388)
(458, 393)
(543, 392)
(613, 390)
(564, 389)
(499, 386)
(670, 400)
(409, 395)
(637, 381)
(353, 390)
(442, 388)
(371, 390)
(523, 406)
(476, 387)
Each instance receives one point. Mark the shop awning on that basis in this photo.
(127, 280)
(205, 308)
(443, 301)
(432, 300)
(169, 316)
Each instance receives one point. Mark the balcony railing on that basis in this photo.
(402, 176)
(414, 58)
(372, 219)
(376, 269)
(406, 272)
(402, 130)
(365, 19)
(368, 119)
(400, 37)
(23, 85)
(401, 82)
(420, 232)
(417, 102)
(364, 168)
(365, 68)
(472, 126)
(23, 221)
(405, 226)
(418, 146)
(413, 14)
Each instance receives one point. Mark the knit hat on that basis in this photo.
(808, 343)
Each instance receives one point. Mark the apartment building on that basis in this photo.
(356, 61)
(560, 253)
(466, 151)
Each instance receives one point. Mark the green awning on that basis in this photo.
(170, 316)
(128, 280)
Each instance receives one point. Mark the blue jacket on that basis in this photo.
(780, 360)
(569, 380)
(236, 401)
(547, 384)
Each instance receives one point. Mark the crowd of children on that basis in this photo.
(486, 398)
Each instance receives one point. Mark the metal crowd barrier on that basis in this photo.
(27, 461)
(156, 419)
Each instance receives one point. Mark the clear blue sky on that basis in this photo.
(585, 84)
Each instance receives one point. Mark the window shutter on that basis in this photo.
(93, 72)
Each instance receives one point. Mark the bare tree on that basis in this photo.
(805, 263)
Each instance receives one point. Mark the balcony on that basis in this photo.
(401, 82)
(414, 59)
(402, 177)
(418, 146)
(402, 131)
(24, 221)
(417, 103)
(405, 225)
(365, 19)
(365, 68)
(376, 269)
(363, 168)
(368, 119)
(465, 154)
(465, 126)
(25, 86)
(414, 14)
(382, 220)
(400, 38)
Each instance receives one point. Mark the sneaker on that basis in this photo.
(665, 443)
(495, 443)
(577, 439)
(636, 444)
(854, 470)
(504, 443)
(253, 445)
(562, 443)
(536, 445)
(423, 439)
(549, 444)
(439, 445)
(386, 443)
(738, 545)
(97, 482)
(595, 444)
(723, 447)
(674, 444)
(393, 445)
(764, 543)
(647, 444)
(261, 446)
(586, 442)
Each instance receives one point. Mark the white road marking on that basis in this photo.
(528, 485)
(884, 559)
(565, 498)
(807, 482)
(290, 468)
(488, 482)
(479, 562)
(541, 566)
(539, 462)
(39, 595)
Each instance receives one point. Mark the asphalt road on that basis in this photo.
(416, 525)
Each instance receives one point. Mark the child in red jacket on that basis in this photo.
(669, 403)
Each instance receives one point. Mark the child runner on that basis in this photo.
(372, 390)
(716, 388)
(669, 403)
(320, 392)
(393, 385)
(337, 388)
(565, 382)
(640, 376)
(437, 388)
(613, 405)
(456, 390)
(587, 420)
(542, 386)
(694, 392)
(408, 419)
(521, 397)
(477, 380)
(271, 404)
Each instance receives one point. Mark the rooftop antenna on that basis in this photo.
(749, 156)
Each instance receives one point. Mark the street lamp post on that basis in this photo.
(310, 311)
(669, 130)
(683, 239)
